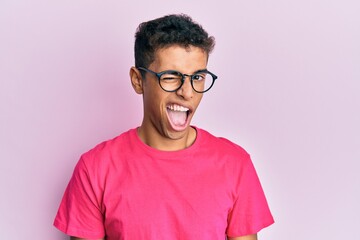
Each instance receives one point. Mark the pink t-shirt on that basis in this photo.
(124, 189)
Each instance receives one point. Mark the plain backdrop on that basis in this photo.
(288, 92)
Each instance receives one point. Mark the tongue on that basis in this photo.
(177, 118)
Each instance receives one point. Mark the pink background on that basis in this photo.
(288, 91)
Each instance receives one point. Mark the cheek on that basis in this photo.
(154, 99)
(198, 100)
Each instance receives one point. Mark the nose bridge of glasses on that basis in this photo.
(186, 87)
(183, 80)
(191, 76)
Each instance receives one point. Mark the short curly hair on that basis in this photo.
(175, 29)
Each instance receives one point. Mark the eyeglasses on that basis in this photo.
(171, 80)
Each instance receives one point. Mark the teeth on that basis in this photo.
(175, 107)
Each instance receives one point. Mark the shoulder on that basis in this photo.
(104, 162)
(107, 151)
(221, 144)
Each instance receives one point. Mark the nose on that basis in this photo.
(186, 91)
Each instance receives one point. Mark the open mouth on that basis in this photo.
(178, 116)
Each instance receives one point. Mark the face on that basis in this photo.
(167, 115)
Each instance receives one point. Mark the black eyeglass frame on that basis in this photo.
(158, 75)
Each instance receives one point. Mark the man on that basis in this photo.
(166, 179)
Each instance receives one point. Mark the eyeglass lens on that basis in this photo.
(171, 81)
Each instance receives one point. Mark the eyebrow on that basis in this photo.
(197, 71)
(202, 70)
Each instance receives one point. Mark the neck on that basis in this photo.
(158, 141)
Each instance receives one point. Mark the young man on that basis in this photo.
(166, 179)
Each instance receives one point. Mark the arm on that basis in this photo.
(249, 237)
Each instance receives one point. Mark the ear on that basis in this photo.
(136, 80)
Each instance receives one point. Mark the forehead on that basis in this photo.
(183, 59)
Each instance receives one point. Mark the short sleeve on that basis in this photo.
(80, 212)
(250, 212)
